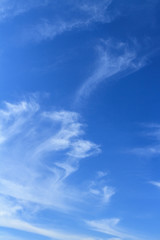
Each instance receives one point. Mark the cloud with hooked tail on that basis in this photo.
(45, 148)
(115, 60)
(48, 148)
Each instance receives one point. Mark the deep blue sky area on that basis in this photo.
(79, 120)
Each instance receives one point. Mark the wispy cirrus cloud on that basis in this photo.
(109, 227)
(84, 14)
(5, 236)
(99, 189)
(114, 239)
(39, 171)
(78, 15)
(51, 234)
(45, 148)
(152, 132)
(148, 151)
(155, 183)
(115, 60)
(97, 11)
(105, 193)
(13, 8)
(10, 212)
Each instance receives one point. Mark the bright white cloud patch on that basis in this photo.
(38, 151)
(40, 158)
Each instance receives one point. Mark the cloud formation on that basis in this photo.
(99, 189)
(157, 184)
(84, 14)
(115, 60)
(52, 234)
(35, 153)
(152, 131)
(109, 227)
(45, 148)
(13, 8)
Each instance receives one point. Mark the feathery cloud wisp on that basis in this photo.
(52, 234)
(157, 184)
(85, 14)
(115, 60)
(32, 173)
(99, 189)
(12, 8)
(44, 149)
(152, 131)
(109, 227)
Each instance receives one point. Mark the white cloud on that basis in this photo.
(147, 151)
(89, 11)
(38, 151)
(97, 11)
(157, 184)
(83, 149)
(46, 30)
(82, 14)
(13, 118)
(101, 174)
(115, 60)
(9, 219)
(52, 234)
(8, 208)
(103, 193)
(108, 192)
(100, 190)
(152, 131)
(12, 8)
(114, 239)
(109, 227)
(6, 236)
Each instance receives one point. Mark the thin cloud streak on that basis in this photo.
(157, 184)
(153, 150)
(115, 60)
(152, 131)
(109, 227)
(52, 234)
(13, 8)
(86, 13)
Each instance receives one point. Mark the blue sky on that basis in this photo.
(79, 120)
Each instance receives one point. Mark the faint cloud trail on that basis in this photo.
(85, 14)
(115, 60)
(13, 8)
(109, 227)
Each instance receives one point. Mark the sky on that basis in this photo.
(79, 120)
